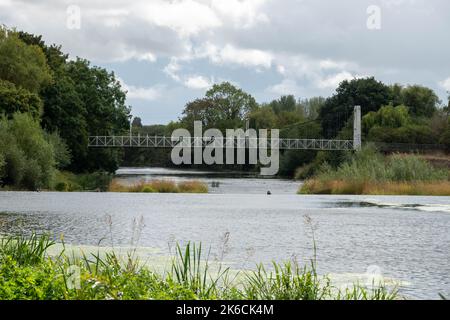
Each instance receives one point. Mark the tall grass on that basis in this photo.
(30, 274)
(368, 172)
(159, 186)
(26, 251)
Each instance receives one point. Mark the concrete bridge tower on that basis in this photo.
(357, 128)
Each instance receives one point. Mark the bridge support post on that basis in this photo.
(357, 128)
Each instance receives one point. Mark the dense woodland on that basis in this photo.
(50, 104)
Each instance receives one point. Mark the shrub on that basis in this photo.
(148, 189)
(29, 157)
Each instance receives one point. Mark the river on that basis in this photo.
(406, 239)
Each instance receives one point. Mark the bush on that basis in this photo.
(148, 189)
(29, 159)
(67, 181)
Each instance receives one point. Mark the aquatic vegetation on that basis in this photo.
(316, 186)
(28, 273)
(160, 186)
(368, 172)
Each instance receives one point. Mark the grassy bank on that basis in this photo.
(317, 186)
(68, 182)
(159, 186)
(27, 272)
(368, 172)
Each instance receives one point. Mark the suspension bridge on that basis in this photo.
(138, 141)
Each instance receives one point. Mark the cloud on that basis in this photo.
(333, 81)
(243, 14)
(285, 87)
(172, 69)
(198, 82)
(445, 84)
(232, 55)
(186, 17)
(141, 93)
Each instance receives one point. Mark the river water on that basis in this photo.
(406, 239)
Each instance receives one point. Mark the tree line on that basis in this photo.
(391, 114)
(49, 104)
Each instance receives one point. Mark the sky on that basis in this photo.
(168, 52)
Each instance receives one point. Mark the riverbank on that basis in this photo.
(30, 273)
(368, 172)
(342, 187)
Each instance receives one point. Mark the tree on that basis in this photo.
(2, 167)
(65, 112)
(284, 104)
(263, 118)
(231, 102)
(311, 107)
(137, 122)
(105, 112)
(369, 93)
(223, 107)
(82, 100)
(420, 100)
(204, 110)
(29, 160)
(61, 152)
(16, 99)
(387, 116)
(22, 64)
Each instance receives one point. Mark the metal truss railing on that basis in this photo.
(224, 142)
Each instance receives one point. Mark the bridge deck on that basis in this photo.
(167, 142)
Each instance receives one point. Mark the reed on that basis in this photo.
(370, 173)
(317, 186)
(159, 186)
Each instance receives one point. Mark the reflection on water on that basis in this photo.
(353, 232)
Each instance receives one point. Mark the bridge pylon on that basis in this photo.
(357, 128)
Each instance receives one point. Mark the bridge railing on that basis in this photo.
(218, 142)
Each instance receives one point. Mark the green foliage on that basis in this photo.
(27, 273)
(369, 165)
(284, 104)
(420, 100)
(370, 94)
(105, 113)
(29, 157)
(2, 166)
(81, 100)
(26, 251)
(288, 281)
(263, 118)
(16, 99)
(387, 116)
(231, 101)
(223, 107)
(96, 181)
(60, 150)
(22, 64)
